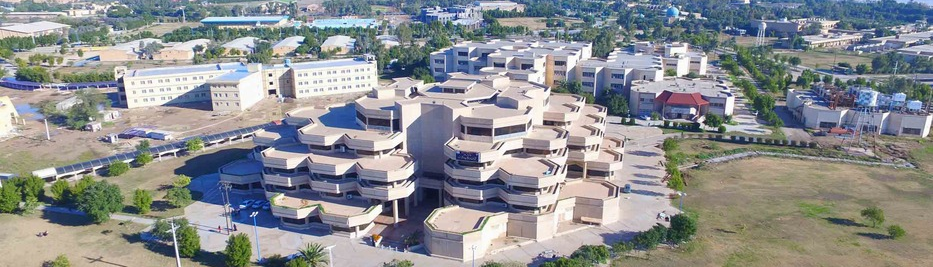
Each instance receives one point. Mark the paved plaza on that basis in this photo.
(638, 210)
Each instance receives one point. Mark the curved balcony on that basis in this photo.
(335, 163)
(596, 110)
(531, 200)
(346, 215)
(531, 172)
(592, 120)
(390, 168)
(457, 171)
(301, 116)
(340, 212)
(608, 160)
(334, 186)
(274, 135)
(583, 155)
(474, 151)
(565, 112)
(315, 133)
(387, 193)
(373, 141)
(242, 171)
(546, 138)
(477, 192)
(285, 157)
(285, 179)
(585, 135)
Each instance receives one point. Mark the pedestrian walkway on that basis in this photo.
(119, 217)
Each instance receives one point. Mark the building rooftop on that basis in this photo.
(819, 38)
(269, 19)
(242, 167)
(334, 206)
(343, 23)
(917, 50)
(293, 41)
(528, 166)
(459, 219)
(235, 76)
(242, 43)
(135, 44)
(339, 40)
(705, 87)
(189, 45)
(588, 189)
(186, 69)
(326, 63)
(34, 27)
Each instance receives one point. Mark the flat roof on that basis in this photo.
(459, 219)
(242, 167)
(338, 40)
(917, 49)
(528, 166)
(587, 189)
(243, 19)
(242, 43)
(191, 69)
(333, 206)
(133, 45)
(189, 45)
(705, 87)
(235, 76)
(343, 23)
(34, 27)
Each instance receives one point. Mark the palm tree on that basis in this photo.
(314, 254)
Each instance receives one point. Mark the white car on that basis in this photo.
(246, 203)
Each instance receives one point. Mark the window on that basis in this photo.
(560, 63)
(498, 65)
(825, 124)
(589, 74)
(559, 73)
(618, 76)
(462, 62)
(439, 61)
(510, 130)
(617, 86)
(479, 131)
(913, 131)
(587, 84)
(463, 54)
(526, 66)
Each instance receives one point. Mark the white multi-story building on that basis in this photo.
(548, 62)
(240, 83)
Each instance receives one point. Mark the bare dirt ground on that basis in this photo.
(113, 243)
(781, 212)
(30, 151)
(532, 23)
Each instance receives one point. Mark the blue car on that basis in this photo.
(627, 189)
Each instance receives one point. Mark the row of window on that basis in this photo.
(161, 90)
(329, 72)
(217, 104)
(226, 95)
(169, 80)
(169, 98)
(333, 88)
(520, 128)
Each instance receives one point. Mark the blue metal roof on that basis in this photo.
(270, 19)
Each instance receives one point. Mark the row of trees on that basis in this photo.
(87, 109)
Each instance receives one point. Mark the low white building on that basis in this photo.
(825, 108)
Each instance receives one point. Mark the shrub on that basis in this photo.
(179, 197)
(142, 199)
(60, 261)
(143, 158)
(896, 232)
(398, 263)
(669, 145)
(118, 168)
(189, 243)
(812, 145)
(276, 260)
(591, 254)
(60, 191)
(194, 144)
(677, 181)
(682, 228)
(721, 129)
(238, 251)
(181, 181)
(874, 215)
(667, 124)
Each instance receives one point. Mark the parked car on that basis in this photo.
(246, 203)
(627, 188)
(258, 204)
(266, 206)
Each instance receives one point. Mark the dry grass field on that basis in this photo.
(532, 23)
(823, 59)
(781, 212)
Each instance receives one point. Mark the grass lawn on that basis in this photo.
(822, 59)
(157, 177)
(23, 162)
(783, 212)
(113, 243)
(696, 150)
(923, 155)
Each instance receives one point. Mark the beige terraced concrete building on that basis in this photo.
(181, 51)
(499, 157)
(549, 62)
(236, 86)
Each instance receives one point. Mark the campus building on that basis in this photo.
(246, 22)
(181, 51)
(467, 16)
(242, 46)
(8, 116)
(681, 98)
(128, 51)
(499, 157)
(793, 26)
(34, 29)
(832, 40)
(499, 5)
(827, 107)
(549, 62)
(237, 86)
(677, 56)
(339, 44)
(287, 46)
(918, 51)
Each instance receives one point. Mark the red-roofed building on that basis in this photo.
(681, 99)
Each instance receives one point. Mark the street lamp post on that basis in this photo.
(256, 233)
(682, 195)
(175, 243)
(474, 255)
(330, 255)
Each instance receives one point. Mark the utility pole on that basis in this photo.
(225, 195)
(256, 233)
(175, 243)
(474, 256)
(48, 136)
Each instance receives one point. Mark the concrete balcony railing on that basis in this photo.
(392, 168)
(285, 179)
(476, 151)
(263, 138)
(332, 163)
(292, 212)
(386, 193)
(334, 186)
(476, 192)
(607, 160)
(545, 180)
(527, 199)
(374, 141)
(285, 157)
(348, 221)
(546, 138)
(585, 136)
(582, 155)
(317, 134)
(241, 172)
(562, 112)
(457, 171)
(597, 110)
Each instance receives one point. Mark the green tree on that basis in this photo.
(896, 232)
(9, 199)
(80, 53)
(874, 215)
(189, 243)
(650, 239)
(143, 158)
(100, 200)
(721, 129)
(399, 263)
(594, 254)
(238, 251)
(80, 186)
(142, 199)
(181, 181)
(862, 69)
(314, 254)
(670, 72)
(60, 190)
(118, 168)
(676, 181)
(794, 61)
(179, 197)
(713, 120)
(162, 229)
(60, 261)
(565, 262)
(683, 227)
(276, 260)
(143, 146)
(33, 74)
(297, 262)
(32, 187)
(194, 144)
